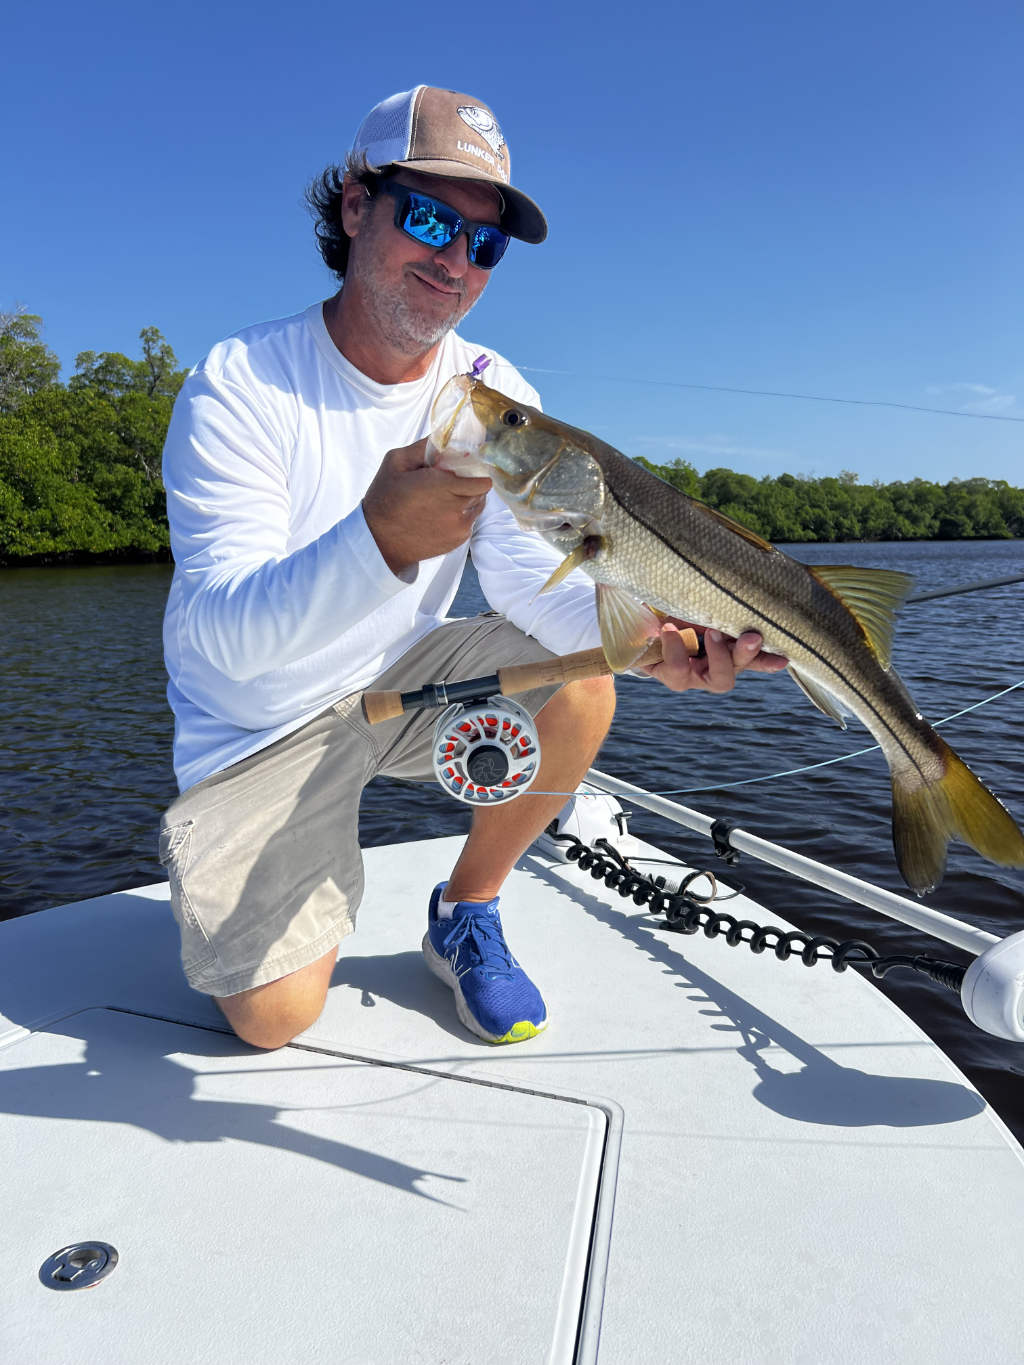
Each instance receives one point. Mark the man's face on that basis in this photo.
(414, 294)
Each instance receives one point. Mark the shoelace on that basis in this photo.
(485, 939)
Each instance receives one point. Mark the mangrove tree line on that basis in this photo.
(80, 468)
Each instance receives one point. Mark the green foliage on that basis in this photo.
(680, 474)
(26, 365)
(80, 463)
(80, 467)
(791, 509)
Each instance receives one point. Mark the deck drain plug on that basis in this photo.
(78, 1266)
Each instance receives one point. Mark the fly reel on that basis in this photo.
(486, 751)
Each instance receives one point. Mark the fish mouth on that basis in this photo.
(458, 435)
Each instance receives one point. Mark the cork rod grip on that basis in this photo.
(379, 706)
(588, 663)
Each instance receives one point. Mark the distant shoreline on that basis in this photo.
(67, 559)
(83, 559)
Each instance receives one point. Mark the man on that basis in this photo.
(317, 555)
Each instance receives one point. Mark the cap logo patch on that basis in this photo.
(485, 124)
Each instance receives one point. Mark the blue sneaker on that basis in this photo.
(494, 997)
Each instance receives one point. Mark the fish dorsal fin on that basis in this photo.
(627, 627)
(818, 696)
(740, 530)
(873, 596)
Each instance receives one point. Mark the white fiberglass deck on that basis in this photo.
(708, 1156)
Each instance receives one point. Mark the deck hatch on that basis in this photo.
(332, 1207)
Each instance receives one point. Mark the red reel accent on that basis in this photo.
(501, 727)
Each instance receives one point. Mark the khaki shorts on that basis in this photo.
(263, 858)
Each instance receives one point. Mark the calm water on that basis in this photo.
(85, 761)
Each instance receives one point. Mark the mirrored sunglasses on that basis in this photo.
(435, 224)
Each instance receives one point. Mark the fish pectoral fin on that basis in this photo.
(571, 561)
(819, 696)
(873, 596)
(586, 549)
(627, 627)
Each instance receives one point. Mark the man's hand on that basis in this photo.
(416, 511)
(717, 668)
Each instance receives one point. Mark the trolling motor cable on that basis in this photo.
(686, 912)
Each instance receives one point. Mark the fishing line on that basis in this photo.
(872, 748)
(968, 587)
(857, 753)
(809, 767)
(770, 393)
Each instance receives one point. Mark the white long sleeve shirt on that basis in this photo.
(281, 602)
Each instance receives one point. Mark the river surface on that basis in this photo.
(85, 764)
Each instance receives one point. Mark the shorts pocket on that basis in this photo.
(176, 855)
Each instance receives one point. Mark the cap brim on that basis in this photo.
(521, 219)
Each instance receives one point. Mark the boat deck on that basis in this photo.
(709, 1155)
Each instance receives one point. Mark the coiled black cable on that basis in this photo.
(687, 912)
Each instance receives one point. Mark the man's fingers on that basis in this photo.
(768, 663)
(721, 668)
(727, 658)
(746, 648)
(464, 489)
(473, 490)
(747, 653)
(416, 511)
(404, 458)
(716, 669)
(673, 647)
(409, 459)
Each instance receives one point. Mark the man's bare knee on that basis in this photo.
(588, 704)
(270, 1016)
(267, 1032)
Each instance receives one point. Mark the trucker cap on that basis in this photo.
(441, 132)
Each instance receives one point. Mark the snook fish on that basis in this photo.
(647, 545)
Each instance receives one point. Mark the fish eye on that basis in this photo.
(513, 418)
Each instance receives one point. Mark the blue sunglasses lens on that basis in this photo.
(434, 224)
(431, 223)
(487, 246)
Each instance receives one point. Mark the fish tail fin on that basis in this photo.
(926, 815)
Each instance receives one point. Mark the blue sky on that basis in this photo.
(806, 198)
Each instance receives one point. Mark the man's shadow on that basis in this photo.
(821, 1091)
(128, 1076)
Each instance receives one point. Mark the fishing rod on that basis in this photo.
(565, 668)
(968, 587)
(587, 663)
(486, 750)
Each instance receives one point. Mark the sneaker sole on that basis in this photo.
(442, 969)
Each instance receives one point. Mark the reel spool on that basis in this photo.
(486, 752)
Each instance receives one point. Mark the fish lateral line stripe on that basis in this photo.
(705, 575)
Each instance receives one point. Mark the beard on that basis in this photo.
(391, 308)
(404, 326)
